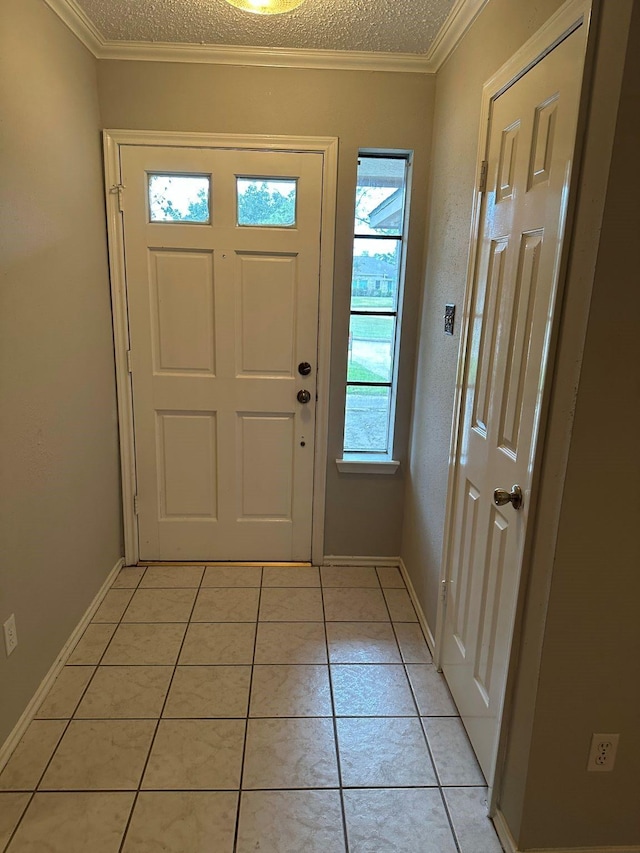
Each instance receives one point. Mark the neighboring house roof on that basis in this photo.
(367, 265)
(388, 214)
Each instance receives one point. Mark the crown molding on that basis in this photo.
(462, 15)
(79, 23)
(264, 56)
(458, 21)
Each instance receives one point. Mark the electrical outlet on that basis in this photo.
(10, 634)
(602, 755)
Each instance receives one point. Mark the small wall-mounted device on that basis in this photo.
(449, 316)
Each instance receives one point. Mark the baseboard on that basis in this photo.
(504, 833)
(431, 642)
(510, 846)
(30, 711)
(334, 560)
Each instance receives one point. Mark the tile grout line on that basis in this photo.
(334, 718)
(246, 721)
(36, 788)
(166, 696)
(419, 717)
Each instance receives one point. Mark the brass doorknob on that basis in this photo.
(304, 396)
(514, 497)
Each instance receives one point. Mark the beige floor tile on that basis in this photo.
(65, 693)
(29, 759)
(137, 644)
(160, 605)
(290, 576)
(384, 752)
(355, 605)
(196, 754)
(181, 821)
(291, 642)
(397, 820)
(473, 829)
(291, 604)
(129, 577)
(232, 576)
(299, 690)
(349, 576)
(431, 691)
(453, 756)
(226, 605)
(92, 644)
(209, 691)
(100, 755)
(291, 753)
(290, 821)
(400, 606)
(362, 642)
(126, 692)
(413, 646)
(390, 577)
(210, 643)
(73, 823)
(12, 807)
(164, 577)
(113, 605)
(371, 690)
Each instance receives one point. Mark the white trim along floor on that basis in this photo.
(243, 708)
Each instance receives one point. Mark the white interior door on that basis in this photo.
(222, 271)
(530, 149)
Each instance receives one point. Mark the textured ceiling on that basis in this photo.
(386, 26)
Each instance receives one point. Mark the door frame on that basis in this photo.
(115, 200)
(570, 16)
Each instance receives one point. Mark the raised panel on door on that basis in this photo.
(462, 575)
(182, 306)
(266, 296)
(265, 466)
(187, 465)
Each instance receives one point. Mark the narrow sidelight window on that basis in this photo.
(376, 302)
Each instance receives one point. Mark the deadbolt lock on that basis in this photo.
(304, 368)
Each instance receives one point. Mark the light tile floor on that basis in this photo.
(237, 709)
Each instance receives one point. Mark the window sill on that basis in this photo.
(372, 464)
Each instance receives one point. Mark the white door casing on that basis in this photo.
(219, 317)
(509, 321)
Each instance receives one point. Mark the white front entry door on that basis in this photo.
(222, 253)
(531, 141)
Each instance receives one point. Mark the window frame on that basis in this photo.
(378, 461)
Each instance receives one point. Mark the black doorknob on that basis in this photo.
(304, 396)
(304, 368)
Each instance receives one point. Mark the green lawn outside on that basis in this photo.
(374, 328)
(376, 303)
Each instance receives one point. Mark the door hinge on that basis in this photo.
(119, 190)
(443, 591)
(484, 170)
(135, 504)
(129, 361)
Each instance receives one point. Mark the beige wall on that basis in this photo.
(364, 110)
(499, 31)
(59, 499)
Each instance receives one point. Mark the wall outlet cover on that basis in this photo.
(602, 755)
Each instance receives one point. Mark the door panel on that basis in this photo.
(531, 140)
(220, 315)
(182, 312)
